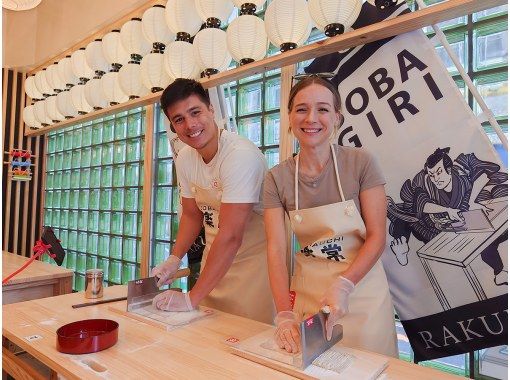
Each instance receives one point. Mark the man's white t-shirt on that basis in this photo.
(237, 170)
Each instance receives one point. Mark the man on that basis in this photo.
(220, 177)
(433, 200)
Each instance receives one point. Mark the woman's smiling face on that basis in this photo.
(313, 116)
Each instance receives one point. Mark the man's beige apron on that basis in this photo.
(245, 289)
(331, 236)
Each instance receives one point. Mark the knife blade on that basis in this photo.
(313, 337)
(142, 291)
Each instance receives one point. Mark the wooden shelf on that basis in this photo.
(388, 28)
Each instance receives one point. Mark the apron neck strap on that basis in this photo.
(340, 190)
(296, 176)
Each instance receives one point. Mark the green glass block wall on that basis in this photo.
(93, 195)
(254, 104)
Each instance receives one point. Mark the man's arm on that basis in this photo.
(234, 218)
(190, 225)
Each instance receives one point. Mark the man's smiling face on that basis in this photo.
(193, 121)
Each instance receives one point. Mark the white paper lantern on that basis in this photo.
(240, 3)
(155, 29)
(94, 94)
(113, 49)
(65, 105)
(214, 12)
(51, 109)
(130, 80)
(30, 89)
(288, 23)
(53, 78)
(29, 117)
(79, 65)
(66, 73)
(182, 18)
(180, 61)
(78, 99)
(20, 5)
(40, 113)
(247, 7)
(334, 17)
(154, 75)
(95, 58)
(211, 51)
(133, 41)
(42, 84)
(247, 39)
(112, 90)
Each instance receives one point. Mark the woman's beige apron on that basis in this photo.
(245, 289)
(332, 236)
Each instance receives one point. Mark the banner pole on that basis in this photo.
(490, 116)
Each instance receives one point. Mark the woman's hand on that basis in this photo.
(287, 334)
(337, 298)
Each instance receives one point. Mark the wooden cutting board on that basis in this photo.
(337, 362)
(261, 349)
(165, 320)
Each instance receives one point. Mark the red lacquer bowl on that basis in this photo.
(89, 335)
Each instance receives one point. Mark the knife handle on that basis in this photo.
(181, 273)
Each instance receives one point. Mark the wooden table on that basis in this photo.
(38, 280)
(143, 351)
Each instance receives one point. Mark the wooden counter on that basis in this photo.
(38, 280)
(196, 351)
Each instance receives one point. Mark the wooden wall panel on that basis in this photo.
(21, 201)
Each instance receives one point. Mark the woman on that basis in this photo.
(323, 190)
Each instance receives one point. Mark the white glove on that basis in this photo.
(337, 298)
(171, 300)
(287, 335)
(166, 270)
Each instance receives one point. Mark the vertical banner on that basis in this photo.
(446, 256)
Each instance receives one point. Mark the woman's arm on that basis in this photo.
(274, 219)
(373, 212)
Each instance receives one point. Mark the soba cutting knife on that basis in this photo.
(142, 291)
(313, 337)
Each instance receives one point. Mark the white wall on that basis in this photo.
(32, 37)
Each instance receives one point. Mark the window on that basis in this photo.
(93, 192)
(254, 107)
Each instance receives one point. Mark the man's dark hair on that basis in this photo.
(181, 89)
(438, 155)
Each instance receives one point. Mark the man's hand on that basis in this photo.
(171, 300)
(287, 334)
(479, 206)
(337, 298)
(166, 270)
(453, 215)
